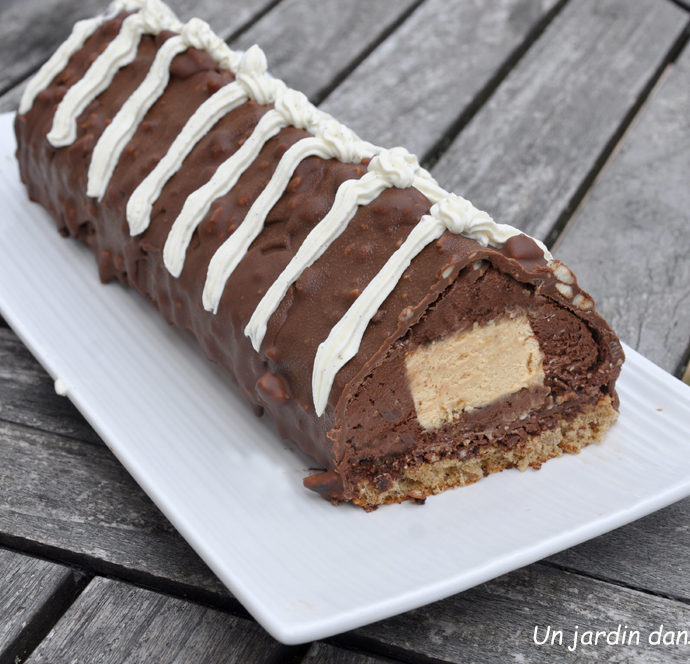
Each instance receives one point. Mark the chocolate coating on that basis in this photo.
(424, 305)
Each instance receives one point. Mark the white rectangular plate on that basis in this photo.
(303, 568)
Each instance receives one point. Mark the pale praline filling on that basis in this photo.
(473, 368)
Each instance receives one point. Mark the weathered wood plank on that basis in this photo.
(527, 154)
(76, 498)
(115, 622)
(27, 394)
(31, 30)
(75, 501)
(309, 43)
(413, 88)
(33, 594)
(653, 552)
(629, 243)
(495, 622)
(323, 653)
(630, 240)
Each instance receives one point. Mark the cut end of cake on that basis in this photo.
(495, 375)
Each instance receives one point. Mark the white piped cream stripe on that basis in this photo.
(231, 252)
(388, 168)
(451, 213)
(81, 31)
(424, 183)
(198, 34)
(345, 337)
(459, 216)
(120, 52)
(141, 201)
(224, 179)
(120, 131)
(350, 195)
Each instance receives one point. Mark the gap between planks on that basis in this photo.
(45, 619)
(434, 153)
(611, 147)
(682, 4)
(612, 582)
(685, 364)
(92, 567)
(39, 429)
(40, 623)
(341, 75)
(230, 32)
(251, 21)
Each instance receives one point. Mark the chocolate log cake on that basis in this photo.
(400, 336)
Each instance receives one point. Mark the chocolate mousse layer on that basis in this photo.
(564, 374)
(371, 428)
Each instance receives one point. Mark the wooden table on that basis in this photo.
(570, 120)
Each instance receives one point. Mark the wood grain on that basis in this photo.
(33, 593)
(416, 84)
(651, 553)
(74, 501)
(113, 622)
(630, 240)
(629, 243)
(27, 394)
(323, 653)
(311, 43)
(525, 156)
(32, 29)
(495, 622)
